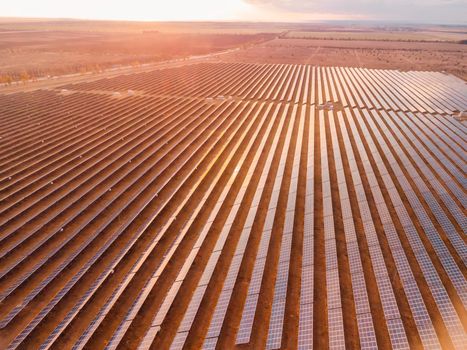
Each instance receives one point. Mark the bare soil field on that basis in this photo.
(379, 35)
(38, 53)
(38, 48)
(93, 26)
(449, 57)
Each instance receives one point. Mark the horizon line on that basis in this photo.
(311, 21)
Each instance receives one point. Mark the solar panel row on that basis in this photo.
(168, 218)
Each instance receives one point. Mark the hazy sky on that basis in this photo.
(425, 11)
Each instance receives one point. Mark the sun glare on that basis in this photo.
(158, 10)
(198, 10)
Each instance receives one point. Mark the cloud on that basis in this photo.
(439, 11)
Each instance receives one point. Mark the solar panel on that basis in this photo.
(247, 320)
(387, 140)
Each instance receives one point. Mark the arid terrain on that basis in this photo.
(48, 50)
(288, 194)
(420, 55)
(33, 49)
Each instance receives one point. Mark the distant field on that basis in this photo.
(36, 48)
(454, 36)
(39, 53)
(449, 57)
(138, 27)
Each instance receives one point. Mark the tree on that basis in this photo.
(24, 77)
(8, 79)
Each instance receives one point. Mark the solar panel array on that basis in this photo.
(222, 205)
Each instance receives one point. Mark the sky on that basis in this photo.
(414, 11)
